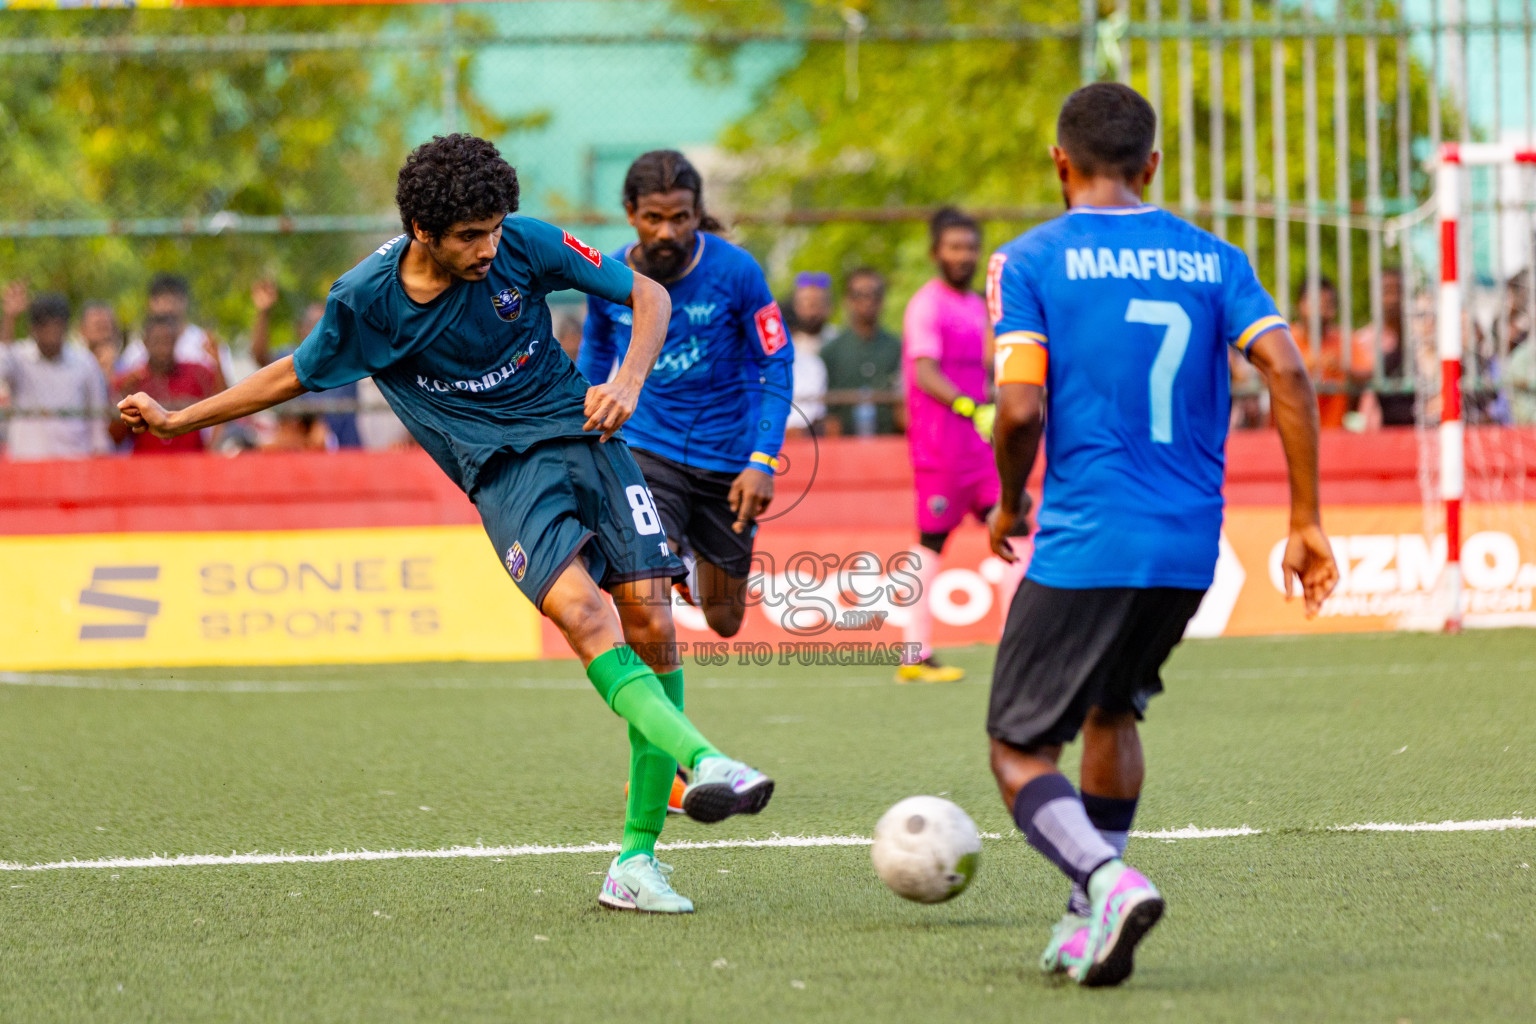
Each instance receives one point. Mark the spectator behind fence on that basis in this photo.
(103, 335)
(377, 424)
(43, 374)
(173, 382)
(1394, 407)
(1517, 370)
(864, 356)
(170, 295)
(300, 431)
(809, 308)
(1326, 361)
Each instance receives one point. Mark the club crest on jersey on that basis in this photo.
(588, 253)
(508, 303)
(937, 504)
(517, 561)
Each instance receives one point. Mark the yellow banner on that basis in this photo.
(279, 598)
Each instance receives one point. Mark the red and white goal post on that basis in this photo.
(1454, 159)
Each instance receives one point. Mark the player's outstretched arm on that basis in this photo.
(609, 405)
(269, 386)
(1016, 438)
(1308, 555)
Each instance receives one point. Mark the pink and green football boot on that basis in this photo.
(1125, 907)
(1068, 945)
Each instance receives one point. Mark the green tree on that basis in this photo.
(189, 135)
(969, 122)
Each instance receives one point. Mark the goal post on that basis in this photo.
(1455, 158)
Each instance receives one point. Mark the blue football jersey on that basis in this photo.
(720, 392)
(1125, 315)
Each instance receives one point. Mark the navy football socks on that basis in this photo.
(1113, 819)
(1053, 819)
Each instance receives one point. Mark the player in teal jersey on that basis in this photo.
(1112, 325)
(450, 320)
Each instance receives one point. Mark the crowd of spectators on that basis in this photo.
(1390, 377)
(59, 384)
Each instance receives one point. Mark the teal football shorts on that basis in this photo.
(572, 497)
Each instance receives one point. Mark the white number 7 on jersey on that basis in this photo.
(1169, 355)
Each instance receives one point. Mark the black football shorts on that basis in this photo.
(1066, 651)
(695, 508)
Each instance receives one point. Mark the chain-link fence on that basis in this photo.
(237, 147)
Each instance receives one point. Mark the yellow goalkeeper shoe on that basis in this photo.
(929, 671)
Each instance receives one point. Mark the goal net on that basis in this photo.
(1477, 398)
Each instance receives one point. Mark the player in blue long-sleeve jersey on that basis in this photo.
(709, 423)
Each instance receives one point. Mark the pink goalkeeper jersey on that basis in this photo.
(950, 326)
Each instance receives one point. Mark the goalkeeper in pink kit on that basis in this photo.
(947, 366)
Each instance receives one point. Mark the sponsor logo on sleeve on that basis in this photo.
(508, 303)
(588, 253)
(770, 328)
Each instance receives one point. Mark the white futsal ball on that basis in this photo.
(926, 849)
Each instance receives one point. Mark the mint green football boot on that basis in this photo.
(720, 787)
(1125, 907)
(1068, 945)
(641, 883)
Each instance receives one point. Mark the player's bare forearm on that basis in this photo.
(1294, 405)
(1016, 440)
(653, 311)
(609, 406)
(1016, 434)
(269, 386)
(1308, 561)
(932, 381)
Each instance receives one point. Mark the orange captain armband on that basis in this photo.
(1021, 358)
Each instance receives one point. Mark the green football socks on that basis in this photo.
(660, 738)
(651, 771)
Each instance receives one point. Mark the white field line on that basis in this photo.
(446, 853)
(1485, 825)
(1191, 832)
(187, 860)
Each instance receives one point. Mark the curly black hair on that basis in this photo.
(454, 178)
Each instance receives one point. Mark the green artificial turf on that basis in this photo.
(1297, 923)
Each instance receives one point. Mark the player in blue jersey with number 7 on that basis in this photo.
(450, 320)
(1112, 327)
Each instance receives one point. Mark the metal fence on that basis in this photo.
(1302, 131)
